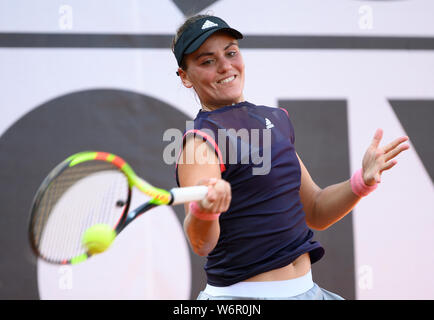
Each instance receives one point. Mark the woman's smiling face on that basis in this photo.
(215, 71)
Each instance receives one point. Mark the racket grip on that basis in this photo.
(187, 194)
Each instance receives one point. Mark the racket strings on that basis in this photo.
(59, 185)
(81, 196)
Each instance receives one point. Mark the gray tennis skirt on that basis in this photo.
(316, 293)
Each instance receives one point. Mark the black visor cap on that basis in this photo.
(196, 34)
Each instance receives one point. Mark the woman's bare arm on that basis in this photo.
(324, 207)
(203, 168)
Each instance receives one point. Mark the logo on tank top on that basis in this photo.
(268, 123)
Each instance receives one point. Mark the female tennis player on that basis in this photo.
(254, 229)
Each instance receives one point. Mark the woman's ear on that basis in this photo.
(184, 78)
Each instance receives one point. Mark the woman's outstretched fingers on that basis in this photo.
(378, 159)
(377, 138)
(394, 144)
(396, 150)
(388, 165)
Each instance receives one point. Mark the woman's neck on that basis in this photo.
(208, 107)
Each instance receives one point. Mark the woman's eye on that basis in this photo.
(232, 53)
(209, 61)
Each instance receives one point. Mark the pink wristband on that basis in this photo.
(198, 213)
(358, 185)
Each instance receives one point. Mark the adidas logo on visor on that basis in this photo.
(209, 24)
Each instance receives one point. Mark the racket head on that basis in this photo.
(87, 188)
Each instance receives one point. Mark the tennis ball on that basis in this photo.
(98, 238)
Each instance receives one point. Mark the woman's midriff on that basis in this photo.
(296, 269)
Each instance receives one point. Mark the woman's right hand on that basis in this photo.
(218, 197)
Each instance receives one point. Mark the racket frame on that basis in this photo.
(158, 196)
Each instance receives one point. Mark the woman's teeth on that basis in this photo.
(227, 80)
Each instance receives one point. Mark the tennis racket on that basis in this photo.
(86, 189)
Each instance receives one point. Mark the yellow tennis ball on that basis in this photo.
(98, 238)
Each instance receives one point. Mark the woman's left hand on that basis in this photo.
(378, 159)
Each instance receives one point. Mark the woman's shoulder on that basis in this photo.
(272, 109)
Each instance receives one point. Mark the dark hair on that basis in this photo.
(182, 28)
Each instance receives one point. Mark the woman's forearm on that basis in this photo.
(202, 234)
(332, 204)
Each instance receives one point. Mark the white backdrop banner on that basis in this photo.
(376, 57)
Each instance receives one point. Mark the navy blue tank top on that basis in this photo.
(264, 227)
